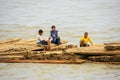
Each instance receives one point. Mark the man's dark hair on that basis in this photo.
(40, 31)
(86, 33)
(53, 27)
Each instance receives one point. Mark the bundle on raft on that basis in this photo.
(27, 51)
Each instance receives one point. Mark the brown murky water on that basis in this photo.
(72, 18)
(23, 18)
(86, 71)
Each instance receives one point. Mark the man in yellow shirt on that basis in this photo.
(84, 40)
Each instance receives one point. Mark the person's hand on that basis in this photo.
(54, 39)
(43, 40)
(49, 38)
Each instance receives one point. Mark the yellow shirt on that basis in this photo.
(85, 40)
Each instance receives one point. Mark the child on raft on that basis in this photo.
(40, 39)
(84, 40)
(54, 35)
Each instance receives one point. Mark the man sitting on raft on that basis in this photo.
(84, 40)
(54, 35)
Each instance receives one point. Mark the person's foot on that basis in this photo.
(58, 44)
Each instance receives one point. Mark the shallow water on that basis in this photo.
(23, 18)
(86, 71)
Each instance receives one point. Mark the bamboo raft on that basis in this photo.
(27, 51)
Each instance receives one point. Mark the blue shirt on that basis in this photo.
(54, 34)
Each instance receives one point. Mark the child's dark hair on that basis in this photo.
(40, 31)
(53, 27)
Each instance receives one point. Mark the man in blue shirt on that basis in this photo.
(54, 36)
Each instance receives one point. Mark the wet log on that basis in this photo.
(13, 53)
(115, 58)
(10, 40)
(62, 47)
(45, 61)
(53, 57)
(98, 53)
(11, 57)
(112, 46)
(116, 63)
(91, 51)
(115, 43)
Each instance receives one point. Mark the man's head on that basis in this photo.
(53, 28)
(85, 34)
(40, 32)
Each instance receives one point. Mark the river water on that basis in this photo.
(23, 18)
(86, 71)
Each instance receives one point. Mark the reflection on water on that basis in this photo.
(86, 71)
